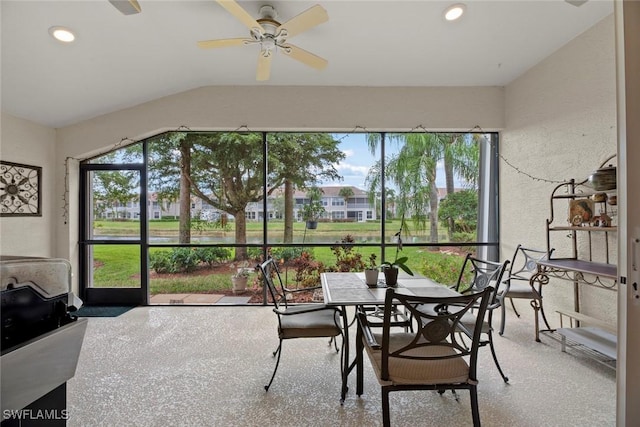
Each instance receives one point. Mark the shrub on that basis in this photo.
(441, 267)
(160, 262)
(288, 254)
(307, 270)
(212, 255)
(254, 253)
(184, 259)
(347, 259)
(462, 237)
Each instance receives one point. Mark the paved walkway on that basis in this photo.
(197, 299)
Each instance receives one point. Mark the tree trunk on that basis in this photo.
(185, 193)
(448, 172)
(433, 215)
(288, 211)
(241, 235)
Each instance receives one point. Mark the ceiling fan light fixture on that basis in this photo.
(62, 34)
(454, 12)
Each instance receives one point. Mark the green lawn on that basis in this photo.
(118, 265)
(254, 228)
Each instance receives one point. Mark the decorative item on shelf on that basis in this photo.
(580, 211)
(390, 269)
(371, 272)
(613, 200)
(602, 220)
(599, 197)
(604, 179)
(239, 279)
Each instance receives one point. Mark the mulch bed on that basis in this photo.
(254, 287)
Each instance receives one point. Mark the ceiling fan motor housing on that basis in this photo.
(271, 35)
(268, 12)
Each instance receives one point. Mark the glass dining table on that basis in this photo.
(350, 290)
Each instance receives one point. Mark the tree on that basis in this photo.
(299, 160)
(169, 162)
(225, 170)
(460, 155)
(461, 209)
(390, 202)
(115, 189)
(413, 172)
(345, 193)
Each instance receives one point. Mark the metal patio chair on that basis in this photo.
(518, 285)
(433, 357)
(298, 321)
(483, 274)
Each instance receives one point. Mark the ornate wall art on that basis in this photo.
(20, 189)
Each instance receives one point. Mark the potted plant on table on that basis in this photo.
(390, 269)
(239, 280)
(313, 209)
(371, 271)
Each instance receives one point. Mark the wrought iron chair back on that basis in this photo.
(275, 289)
(483, 274)
(524, 264)
(419, 359)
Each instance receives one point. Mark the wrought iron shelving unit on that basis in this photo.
(580, 267)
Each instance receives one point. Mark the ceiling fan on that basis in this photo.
(127, 7)
(271, 35)
(576, 3)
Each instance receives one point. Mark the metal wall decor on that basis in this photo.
(20, 189)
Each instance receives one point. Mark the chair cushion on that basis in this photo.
(469, 321)
(407, 371)
(321, 323)
(521, 290)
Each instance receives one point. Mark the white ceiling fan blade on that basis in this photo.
(127, 7)
(209, 44)
(311, 17)
(305, 57)
(242, 15)
(264, 67)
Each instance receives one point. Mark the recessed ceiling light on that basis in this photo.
(62, 34)
(454, 12)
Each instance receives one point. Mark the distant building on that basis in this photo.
(355, 208)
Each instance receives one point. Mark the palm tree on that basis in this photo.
(413, 171)
(460, 155)
(345, 193)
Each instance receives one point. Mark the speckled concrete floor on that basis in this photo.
(206, 366)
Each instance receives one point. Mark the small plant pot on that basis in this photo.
(239, 284)
(312, 225)
(371, 276)
(391, 277)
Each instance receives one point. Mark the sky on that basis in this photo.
(358, 160)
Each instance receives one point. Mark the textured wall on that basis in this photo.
(31, 144)
(560, 123)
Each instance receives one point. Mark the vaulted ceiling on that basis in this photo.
(118, 61)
